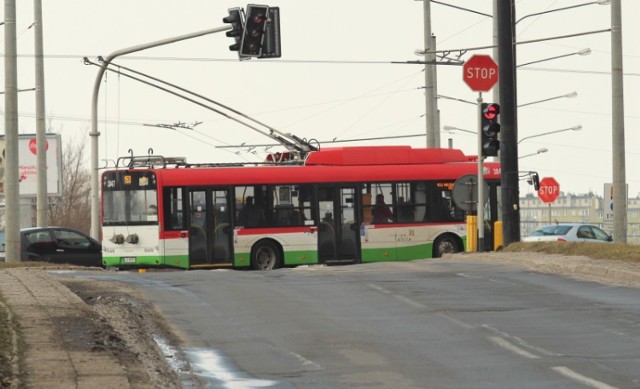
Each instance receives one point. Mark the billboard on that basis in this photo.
(28, 165)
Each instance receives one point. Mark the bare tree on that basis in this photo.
(73, 209)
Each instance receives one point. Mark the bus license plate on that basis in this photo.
(129, 259)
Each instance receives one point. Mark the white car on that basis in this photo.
(569, 232)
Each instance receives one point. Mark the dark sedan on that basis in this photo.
(59, 245)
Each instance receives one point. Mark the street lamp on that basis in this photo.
(457, 99)
(582, 52)
(94, 133)
(599, 2)
(452, 128)
(574, 128)
(539, 151)
(569, 95)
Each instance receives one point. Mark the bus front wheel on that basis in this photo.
(265, 256)
(446, 244)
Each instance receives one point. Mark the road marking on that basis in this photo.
(520, 341)
(512, 347)
(565, 371)
(378, 288)
(409, 301)
(455, 321)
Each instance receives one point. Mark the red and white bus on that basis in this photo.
(340, 205)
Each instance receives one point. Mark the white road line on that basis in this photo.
(512, 347)
(565, 371)
(455, 321)
(409, 301)
(378, 288)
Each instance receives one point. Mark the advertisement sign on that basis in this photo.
(28, 165)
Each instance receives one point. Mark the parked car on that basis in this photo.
(59, 245)
(569, 232)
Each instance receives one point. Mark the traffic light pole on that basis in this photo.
(94, 134)
(480, 205)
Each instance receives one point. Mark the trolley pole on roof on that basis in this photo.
(94, 134)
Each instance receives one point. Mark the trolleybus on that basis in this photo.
(339, 205)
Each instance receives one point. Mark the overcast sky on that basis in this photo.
(335, 79)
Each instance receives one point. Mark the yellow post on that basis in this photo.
(498, 237)
(472, 233)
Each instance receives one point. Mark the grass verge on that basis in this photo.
(617, 252)
(10, 347)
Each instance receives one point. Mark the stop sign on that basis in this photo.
(480, 72)
(549, 190)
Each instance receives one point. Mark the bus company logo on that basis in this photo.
(33, 146)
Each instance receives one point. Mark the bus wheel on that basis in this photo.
(445, 244)
(265, 256)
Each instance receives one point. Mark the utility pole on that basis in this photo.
(617, 136)
(42, 203)
(431, 96)
(11, 188)
(509, 122)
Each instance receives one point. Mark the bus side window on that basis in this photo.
(173, 209)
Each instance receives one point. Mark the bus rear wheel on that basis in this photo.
(446, 244)
(265, 256)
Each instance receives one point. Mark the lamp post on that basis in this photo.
(582, 52)
(599, 2)
(94, 134)
(452, 128)
(574, 128)
(539, 151)
(569, 95)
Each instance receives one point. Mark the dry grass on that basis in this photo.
(618, 252)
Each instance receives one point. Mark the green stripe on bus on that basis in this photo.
(181, 261)
(291, 258)
(406, 253)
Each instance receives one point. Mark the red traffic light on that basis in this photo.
(491, 111)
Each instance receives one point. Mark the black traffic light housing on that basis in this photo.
(254, 30)
(271, 45)
(535, 180)
(490, 129)
(236, 19)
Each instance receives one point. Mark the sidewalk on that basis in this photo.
(58, 333)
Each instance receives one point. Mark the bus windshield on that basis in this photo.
(129, 201)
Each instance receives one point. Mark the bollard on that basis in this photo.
(472, 233)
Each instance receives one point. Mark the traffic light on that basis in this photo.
(271, 46)
(254, 30)
(236, 19)
(490, 129)
(535, 180)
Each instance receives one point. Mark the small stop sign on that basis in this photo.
(480, 72)
(549, 190)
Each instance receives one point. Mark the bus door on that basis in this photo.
(339, 228)
(210, 235)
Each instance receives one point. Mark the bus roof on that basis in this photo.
(345, 164)
(385, 155)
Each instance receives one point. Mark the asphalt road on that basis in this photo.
(435, 324)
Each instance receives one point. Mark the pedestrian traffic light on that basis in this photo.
(236, 19)
(254, 30)
(490, 129)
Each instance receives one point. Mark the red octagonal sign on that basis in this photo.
(549, 190)
(480, 72)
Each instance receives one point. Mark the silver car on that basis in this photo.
(569, 232)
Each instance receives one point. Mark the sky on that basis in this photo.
(337, 80)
